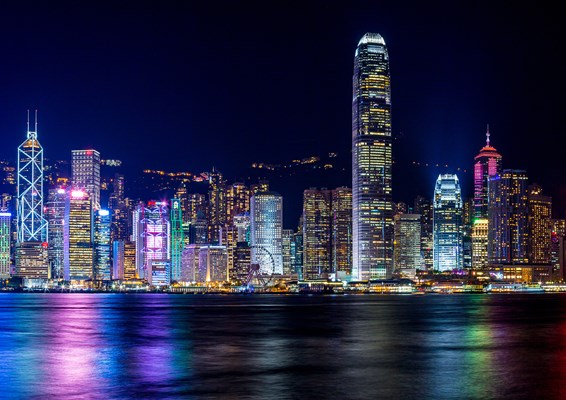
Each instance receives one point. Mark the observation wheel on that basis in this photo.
(262, 267)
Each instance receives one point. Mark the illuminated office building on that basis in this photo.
(159, 273)
(342, 232)
(557, 238)
(124, 260)
(423, 206)
(286, 239)
(242, 222)
(508, 218)
(152, 242)
(119, 209)
(266, 226)
(229, 239)
(238, 201)
(297, 254)
(371, 161)
(216, 205)
(213, 264)
(479, 243)
(102, 259)
(242, 261)
(540, 225)
(78, 241)
(32, 260)
(55, 213)
(317, 233)
(86, 174)
(199, 229)
(487, 164)
(447, 224)
(177, 240)
(5, 243)
(407, 249)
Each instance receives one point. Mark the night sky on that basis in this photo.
(187, 86)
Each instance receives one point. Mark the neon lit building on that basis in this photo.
(447, 224)
(371, 161)
(229, 239)
(102, 259)
(177, 239)
(159, 273)
(5, 243)
(540, 225)
(153, 231)
(31, 260)
(238, 201)
(487, 164)
(78, 244)
(266, 225)
(32, 226)
(217, 206)
(242, 223)
(86, 174)
(55, 210)
(508, 218)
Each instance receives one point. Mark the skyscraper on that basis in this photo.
(266, 226)
(342, 232)
(177, 241)
(55, 210)
(508, 218)
(407, 252)
(32, 227)
(540, 225)
(487, 164)
(317, 233)
(86, 174)
(371, 161)
(31, 246)
(102, 248)
(423, 206)
(447, 223)
(5, 243)
(152, 241)
(78, 245)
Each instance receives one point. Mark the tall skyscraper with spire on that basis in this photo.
(487, 164)
(31, 246)
(32, 226)
(372, 205)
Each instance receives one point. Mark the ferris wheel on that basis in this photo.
(262, 267)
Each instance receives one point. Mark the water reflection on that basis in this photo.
(261, 347)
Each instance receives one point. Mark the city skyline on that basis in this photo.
(90, 93)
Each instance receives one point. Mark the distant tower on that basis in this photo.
(540, 225)
(372, 161)
(407, 243)
(317, 233)
(32, 227)
(447, 226)
(487, 164)
(86, 174)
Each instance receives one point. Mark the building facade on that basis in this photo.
(266, 226)
(372, 203)
(447, 224)
(86, 174)
(407, 250)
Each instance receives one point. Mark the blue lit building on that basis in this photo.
(447, 224)
(5, 242)
(102, 262)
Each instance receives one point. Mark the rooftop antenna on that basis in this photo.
(28, 119)
(36, 121)
(487, 135)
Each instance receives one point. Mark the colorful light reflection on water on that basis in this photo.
(261, 347)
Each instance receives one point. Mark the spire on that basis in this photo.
(35, 122)
(487, 135)
(28, 121)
